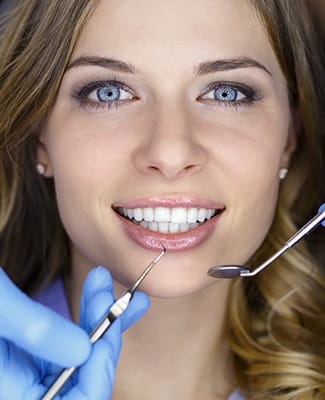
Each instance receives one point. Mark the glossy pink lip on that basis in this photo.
(171, 201)
(175, 242)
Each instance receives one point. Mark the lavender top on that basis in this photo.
(54, 297)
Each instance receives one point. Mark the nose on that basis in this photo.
(170, 147)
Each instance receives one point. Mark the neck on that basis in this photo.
(179, 347)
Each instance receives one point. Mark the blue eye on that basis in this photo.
(108, 94)
(225, 93)
(104, 94)
(229, 93)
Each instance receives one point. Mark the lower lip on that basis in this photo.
(173, 242)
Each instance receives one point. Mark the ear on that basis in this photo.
(43, 159)
(291, 143)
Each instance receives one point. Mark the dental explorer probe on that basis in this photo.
(116, 309)
(235, 271)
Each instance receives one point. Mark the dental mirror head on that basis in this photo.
(236, 271)
(228, 271)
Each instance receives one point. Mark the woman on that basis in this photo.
(127, 124)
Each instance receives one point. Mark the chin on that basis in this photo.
(171, 285)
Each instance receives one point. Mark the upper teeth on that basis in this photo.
(177, 215)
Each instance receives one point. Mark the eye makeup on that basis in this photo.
(103, 94)
(229, 94)
(113, 93)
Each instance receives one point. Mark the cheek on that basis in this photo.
(246, 154)
(247, 151)
(85, 149)
(89, 158)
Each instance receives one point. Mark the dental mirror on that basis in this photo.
(235, 271)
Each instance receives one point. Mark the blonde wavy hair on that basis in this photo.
(276, 319)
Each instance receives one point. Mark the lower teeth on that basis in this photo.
(167, 227)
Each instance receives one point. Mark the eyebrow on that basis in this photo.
(115, 65)
(204, 68)
(227, 65)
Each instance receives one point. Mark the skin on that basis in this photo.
(169, 139)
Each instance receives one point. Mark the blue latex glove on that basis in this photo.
(322, 208)
(31, 333)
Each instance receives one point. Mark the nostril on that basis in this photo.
(170, 156)
(191, 167)
(151, 169)
(174, 171)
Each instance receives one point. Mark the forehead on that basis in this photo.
(146, 32)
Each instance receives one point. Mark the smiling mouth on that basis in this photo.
(168, 220)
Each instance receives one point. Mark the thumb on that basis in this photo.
(39, 330)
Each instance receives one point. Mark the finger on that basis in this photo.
(38, 330)
(100, 304)
(105, 353)
(98, 280)
(136, 309)
(97, 298)
(94, 311)
(19, 376)
(96, 376)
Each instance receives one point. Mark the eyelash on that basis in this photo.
(82, 94)
(250, 94)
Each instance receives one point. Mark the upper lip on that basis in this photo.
(183, 200)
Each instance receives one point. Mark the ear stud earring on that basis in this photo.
(283, 173)
(41, 168)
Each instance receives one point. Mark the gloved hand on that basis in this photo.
(321, 209)
(31, 333)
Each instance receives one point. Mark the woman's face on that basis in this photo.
(175, 114)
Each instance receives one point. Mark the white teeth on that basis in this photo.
(209, 213)
(201, 214)
(173, 228)
(163, 227)
(178, 215)
(184, 227)
(192, 215)
(167, 220)
(144, 224)
(162, 214)
(148, 214)
(138, 213)
(153, 226)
